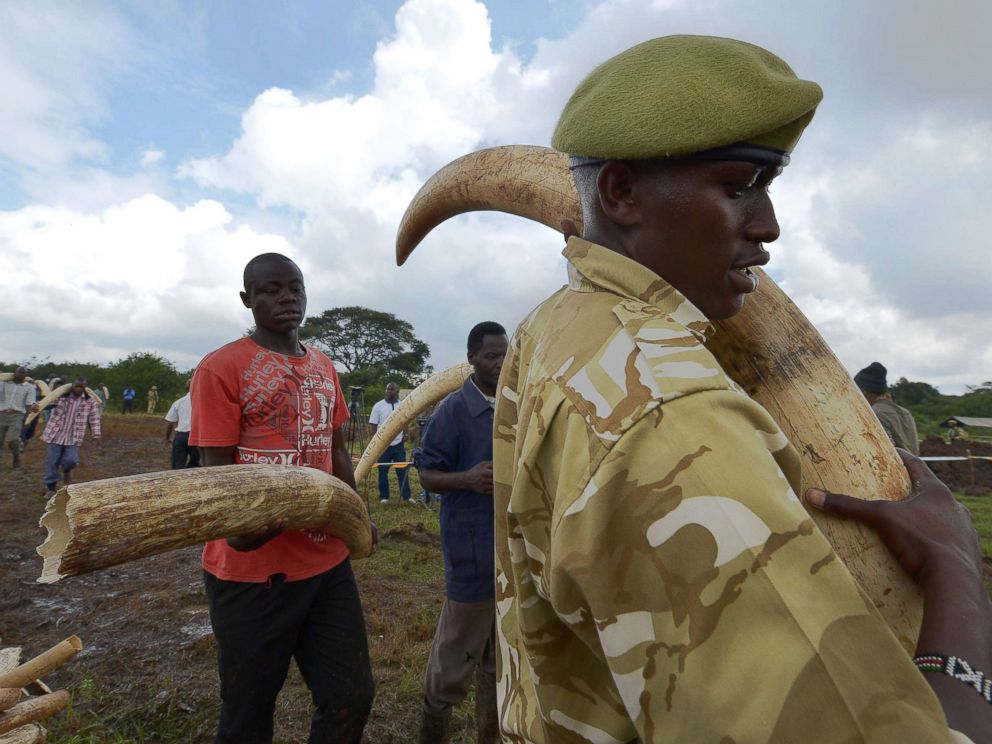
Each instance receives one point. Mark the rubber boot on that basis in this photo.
(486, 712)
(435, 728)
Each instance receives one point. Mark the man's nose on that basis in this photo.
(762, 227)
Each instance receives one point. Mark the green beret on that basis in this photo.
(682, 95)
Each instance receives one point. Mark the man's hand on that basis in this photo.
(258, 538)
(930, 534)
(480, 478)
(33, 408)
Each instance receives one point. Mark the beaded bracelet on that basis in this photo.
(957, 668)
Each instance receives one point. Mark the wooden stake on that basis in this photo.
(42, 664)
(32, 710)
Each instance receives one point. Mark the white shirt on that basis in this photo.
(16, 395)
(381, 411)
(180, 413)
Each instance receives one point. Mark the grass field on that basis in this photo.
(148, 672)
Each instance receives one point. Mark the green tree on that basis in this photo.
(141, 370)
(370, 345)
(913, 393)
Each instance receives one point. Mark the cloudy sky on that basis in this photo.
(147, 151)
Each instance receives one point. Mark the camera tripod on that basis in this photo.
(354, 433)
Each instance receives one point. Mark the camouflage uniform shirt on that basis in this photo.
(657, 579)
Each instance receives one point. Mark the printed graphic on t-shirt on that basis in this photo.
(293, 403)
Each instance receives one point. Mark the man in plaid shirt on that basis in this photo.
(64, 432)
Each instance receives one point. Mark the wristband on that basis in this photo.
(957, 668)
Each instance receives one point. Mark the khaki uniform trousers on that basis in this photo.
(465, 640)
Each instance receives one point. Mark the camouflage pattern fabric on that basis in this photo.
(898, 423)
(657, 578)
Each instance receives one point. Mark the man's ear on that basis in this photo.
(245, 300)
(616, 184)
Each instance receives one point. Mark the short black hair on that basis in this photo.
(259, 259)
(486, 328)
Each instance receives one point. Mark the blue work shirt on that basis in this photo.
(458, 437)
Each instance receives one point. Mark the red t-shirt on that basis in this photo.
(276, 409)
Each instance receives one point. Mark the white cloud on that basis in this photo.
(883, 211)
(144, 269)
(151, 157)
(56, 60)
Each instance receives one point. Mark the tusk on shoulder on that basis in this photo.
(770, 349)
(48, 400)
(524, 180)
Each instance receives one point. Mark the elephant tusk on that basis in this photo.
(770, 349)
(429, 392)
(54, 395)
(524, 180)
(103, 523)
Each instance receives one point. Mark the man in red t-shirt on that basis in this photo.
(278, 594)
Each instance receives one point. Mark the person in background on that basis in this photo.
(955, 433)
(28, 429)
(896, 420)
(178, 422)
(279, 594)
(64, 433)
(395, 452)
(103, 393)
(152, 399)
(128, 397)
(455, 459)
(17, 397)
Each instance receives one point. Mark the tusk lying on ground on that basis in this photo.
(770, 349)
(429, 392)
(106, 522)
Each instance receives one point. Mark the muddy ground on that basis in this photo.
(147, 673)
(973, 477)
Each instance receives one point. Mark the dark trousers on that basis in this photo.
(128, 406)
(318, 622)
(184, 456)
(393, 453)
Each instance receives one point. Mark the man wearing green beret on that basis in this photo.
(657, 577)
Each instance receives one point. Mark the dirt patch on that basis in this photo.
(148, 669)
(973, 477)
(415, 533)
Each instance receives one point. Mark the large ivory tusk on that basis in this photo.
(770, 349)
(532, 182)
(53, 396)
(40, 384)
(106, 522)
(429, 392)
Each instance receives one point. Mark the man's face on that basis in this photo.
(20, 374)
(392, 392)
(276, 296)
(78, 388)
(488, 360)
(702, 225)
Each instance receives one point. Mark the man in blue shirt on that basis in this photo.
(129, 395)
(455, 459)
